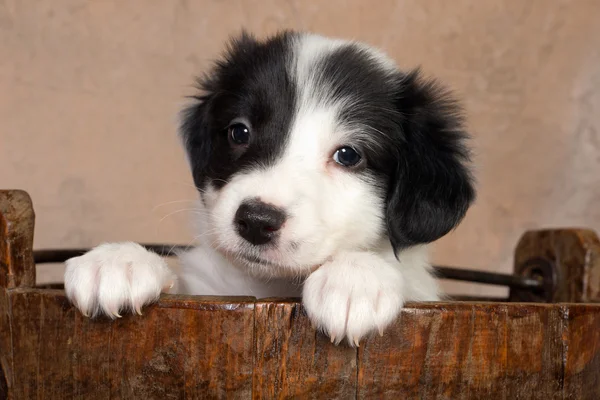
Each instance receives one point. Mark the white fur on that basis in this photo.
(116, 276)
(333, 247)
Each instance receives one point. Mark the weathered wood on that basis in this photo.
(293, 360)
(16, 268)
(16, 239)
(192, 347)
(462, 351)
(6, 357)
(204, 348)
(568, 260)
(197, 347)
(582, 352)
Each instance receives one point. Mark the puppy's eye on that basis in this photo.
(239, 134)
(346, 156)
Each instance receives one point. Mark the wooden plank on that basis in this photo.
(25, 324)
(292, 360)
(535, 351)
(214, 339)
(391, 366)
(16, 239)
(582, 348)
(16, 270)
(88, 344)
(462, 350)
(192, 347)
(6, 358)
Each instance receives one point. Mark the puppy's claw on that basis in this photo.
(332, 338)
(356, 342)
(380, 331)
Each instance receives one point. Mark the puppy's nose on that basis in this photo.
(258, 222)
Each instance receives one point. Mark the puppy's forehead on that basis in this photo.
(342, 89)
(309, 67)
(303, 70)
(334, 68)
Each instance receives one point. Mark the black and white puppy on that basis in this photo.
(323, 170)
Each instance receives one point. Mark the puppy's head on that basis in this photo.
(303, 146)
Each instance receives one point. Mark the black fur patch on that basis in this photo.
(251, 81)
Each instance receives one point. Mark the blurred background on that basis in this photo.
(90, 91)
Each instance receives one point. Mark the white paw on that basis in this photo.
(353, 295)
(114, 277)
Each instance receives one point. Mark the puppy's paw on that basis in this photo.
(352, 295)
(114, 277)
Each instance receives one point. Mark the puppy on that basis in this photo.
(323, 171)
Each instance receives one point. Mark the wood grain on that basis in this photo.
(6, 356)
(293, 360)
(16, 239)
(16, 269)
(462, 350)
(582, 353)
(181, 347)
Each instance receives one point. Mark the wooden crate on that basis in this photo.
(193, 347)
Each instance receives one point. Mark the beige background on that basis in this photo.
(89, 94)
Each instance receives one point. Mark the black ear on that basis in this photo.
(432, 187)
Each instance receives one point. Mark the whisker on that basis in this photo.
(173, 202)
(194, 210)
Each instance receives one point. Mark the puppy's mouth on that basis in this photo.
(253, 259)
(257, 260)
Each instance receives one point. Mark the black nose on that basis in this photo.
(258, 222)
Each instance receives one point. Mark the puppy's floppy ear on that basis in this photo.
(432, 187)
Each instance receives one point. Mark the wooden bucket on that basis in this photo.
(193, 347)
